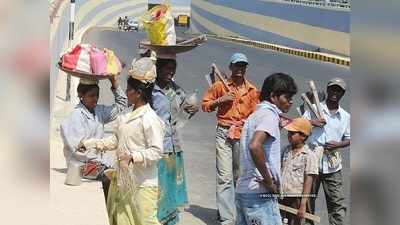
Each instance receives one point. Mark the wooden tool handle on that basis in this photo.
(194, 40)
(219, 74)
(294, 211)
(308, 103)
(316, 98)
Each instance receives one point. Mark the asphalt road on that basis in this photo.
(199, 133)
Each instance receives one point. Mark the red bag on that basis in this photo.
(78, 58)
(70, 59)
(92, 170)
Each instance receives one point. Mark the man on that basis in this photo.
(233, 107)
(328, 137)
(260, 154)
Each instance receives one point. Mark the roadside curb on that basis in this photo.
(339, 60)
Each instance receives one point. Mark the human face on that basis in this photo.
(296, 138)
(335, 93)
(283, 101)
(166, 73)
(90, 98)
(133, 96)
(238, 69)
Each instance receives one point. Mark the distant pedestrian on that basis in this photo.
(119, 23)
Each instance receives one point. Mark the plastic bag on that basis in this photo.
(159, 24)
(98, 61)
(113, 64)
(78, 58)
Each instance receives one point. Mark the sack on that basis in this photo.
(70, 59)
(160, 25)
(78, 58)
(114, 66)
(92, 170)
(98, 61)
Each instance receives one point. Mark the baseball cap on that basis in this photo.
(300, 125)
(337, 81)
(239, 57)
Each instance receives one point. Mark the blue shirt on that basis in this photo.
(168, 106)
(337, 128)
(266, 119)
(82, 125)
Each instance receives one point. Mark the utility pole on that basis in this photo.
(70, 39)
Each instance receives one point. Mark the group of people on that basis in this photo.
(254, 172)
(123, 24)
(146, 184)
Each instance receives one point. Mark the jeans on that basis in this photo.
(227, 173)
(253, 209)
(333, 188)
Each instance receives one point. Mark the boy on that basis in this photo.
(260, 154)
(299, 166)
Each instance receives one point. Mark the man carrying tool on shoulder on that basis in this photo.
(234, 99)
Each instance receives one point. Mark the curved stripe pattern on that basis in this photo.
(88, 14)
(267, 28)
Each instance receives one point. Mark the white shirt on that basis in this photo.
(139, 133)
(337, 128)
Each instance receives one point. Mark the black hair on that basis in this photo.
(145, 89)
(160, 63)
(279, 84)
(84, 88)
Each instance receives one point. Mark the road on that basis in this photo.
(199, 133)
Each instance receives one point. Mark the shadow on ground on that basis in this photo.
(207, 215)
(60, 170)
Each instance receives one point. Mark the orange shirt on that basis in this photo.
(232, 113)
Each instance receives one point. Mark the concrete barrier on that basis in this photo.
(339, 60)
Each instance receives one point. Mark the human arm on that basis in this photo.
(216, 96)
(314, 121)
(154, 134)
(334, 145)
(121, 102)
(307, 185)
(258, 156)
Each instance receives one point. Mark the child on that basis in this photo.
(299, 166)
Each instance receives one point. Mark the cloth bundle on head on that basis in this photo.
(88, 81)
(143, 70)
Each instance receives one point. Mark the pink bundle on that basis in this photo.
(89, 59)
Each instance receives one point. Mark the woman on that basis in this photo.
(87, 120)
(168, 99)
(138, 138)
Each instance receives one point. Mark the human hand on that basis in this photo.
(271, 186)
(318, 122)
(191, 109)
(114, 81)
(124, 159)
(301, 212)
(332, 145)
(229, 97)
(81, 147)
